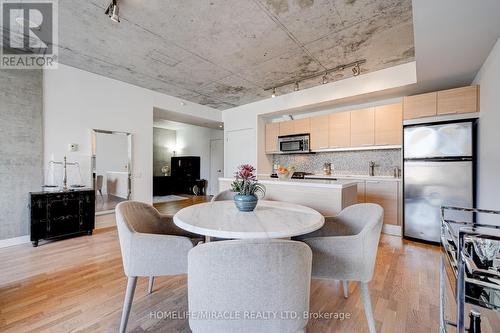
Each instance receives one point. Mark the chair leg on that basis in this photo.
(150, 284)
(365, 294)
(345, 284)
(127, 303)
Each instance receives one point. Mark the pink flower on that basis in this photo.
(245, 172)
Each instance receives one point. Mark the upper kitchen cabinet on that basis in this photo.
(297, 126)
(272, 133)
(389, 124)
(340, 130)
(319, 132)
(363, 127)
(418, 106)
(459, 100)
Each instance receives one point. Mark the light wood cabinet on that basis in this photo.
(363, 127)
(297, 126)
(384, 193)
(272, 133)
(340, 130)
(361, 190)
(459, 100)
(286, 127)
(418, 106)
(389, 124)
(319, 132)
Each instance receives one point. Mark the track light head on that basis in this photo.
(274, 93)
(296, 86)
(113, 11)
(356, 70)
(324, 80)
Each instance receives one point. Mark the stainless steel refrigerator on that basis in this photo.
(438, 170)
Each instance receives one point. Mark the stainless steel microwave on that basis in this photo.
(297, 143)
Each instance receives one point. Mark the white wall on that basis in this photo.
(489, 135)
(76, 101)
(195, 141)
(242, 121)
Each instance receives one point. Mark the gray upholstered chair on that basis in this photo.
(224, 195)
(151, 245)
(249, 276)
(345, 249)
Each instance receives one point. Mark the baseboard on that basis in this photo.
(105, 221)
(394, 230)
(14, 241)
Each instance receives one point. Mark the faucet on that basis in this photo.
(372, 168)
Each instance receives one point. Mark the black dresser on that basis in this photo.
(58, 214)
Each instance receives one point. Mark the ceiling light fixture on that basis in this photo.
(325, 78)
(113, 11)
(355, 65)
(356, 70)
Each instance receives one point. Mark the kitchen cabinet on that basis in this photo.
(363, 127)
(418, 106)
(272, 133)
(384, 193)
(361, 190)
(297, 126)
(459, 100)
(340, 130)
(389, 124)
(319, 132)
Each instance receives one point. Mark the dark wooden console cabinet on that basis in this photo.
(58, 214)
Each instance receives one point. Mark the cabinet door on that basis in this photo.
(384, 193)
(363, 127)
(272, 132)
(389, 124)
(340, 130)
(319, 132)
(301, 126)
(460, 100)
(286, 127)
(361, 191)
(418, 106)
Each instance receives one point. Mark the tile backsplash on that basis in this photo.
(345, 162)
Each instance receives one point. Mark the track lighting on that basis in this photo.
(274, 93)
(113, 11)
(296, 86)
(325, 79)
(356, 70)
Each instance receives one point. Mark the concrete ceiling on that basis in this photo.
(172, 120)
(223, 53)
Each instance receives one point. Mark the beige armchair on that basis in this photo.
(151, 245)
(345, 249)
(249, 277)
(224, 195)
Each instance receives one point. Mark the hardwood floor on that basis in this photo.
(78, 285)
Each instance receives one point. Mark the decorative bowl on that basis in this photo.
(245, 203)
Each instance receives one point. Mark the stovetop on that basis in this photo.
(296, 175)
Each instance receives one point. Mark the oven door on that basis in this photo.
(290, 146)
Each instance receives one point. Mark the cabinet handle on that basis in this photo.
(373, 181)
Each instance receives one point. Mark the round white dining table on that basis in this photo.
(270, 219)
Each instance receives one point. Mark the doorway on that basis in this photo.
(216, 165)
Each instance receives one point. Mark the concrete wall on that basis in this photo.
(489, 153)
(164, 141)
(75, 102)
(20, 147)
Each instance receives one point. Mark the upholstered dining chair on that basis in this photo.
(224, 195)
(253, 277)
(345, 249)
(151, 245)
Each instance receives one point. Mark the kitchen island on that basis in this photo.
(328, 197)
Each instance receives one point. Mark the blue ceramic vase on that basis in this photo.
(245, 203)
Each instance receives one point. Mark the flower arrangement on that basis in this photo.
(246, 183)
(285, 173)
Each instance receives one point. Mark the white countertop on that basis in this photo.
(270, 219)
(354, 177)
(338, 184)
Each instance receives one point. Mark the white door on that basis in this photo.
(216, 165)
(241, 148)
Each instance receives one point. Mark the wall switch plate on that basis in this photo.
(73, 147)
